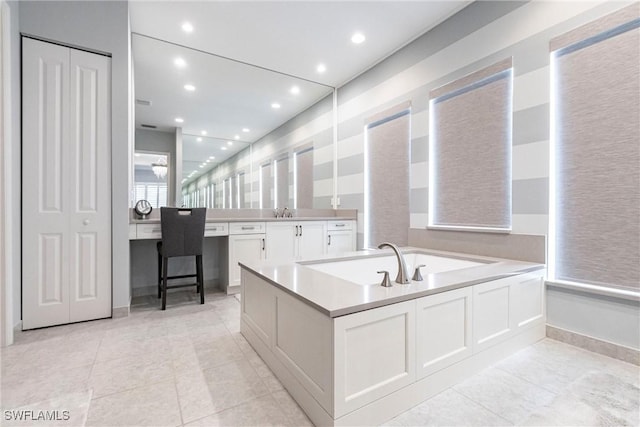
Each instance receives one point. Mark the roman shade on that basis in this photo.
(266, 185)
(470, 151)
(282, 182)
(387, 170)
(595, 148)
(303, 178)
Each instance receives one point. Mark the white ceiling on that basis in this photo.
(243, 56)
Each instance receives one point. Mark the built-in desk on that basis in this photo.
(246, 239)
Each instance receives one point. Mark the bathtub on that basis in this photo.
(351, 352)
(363, 271)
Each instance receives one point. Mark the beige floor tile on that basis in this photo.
(69, 410)
(502, 393)
(127, 373)
(449, 408)
(119, 347)
(294, 413)
(194, 396)
(30, 388)
(233, 383)
(153, 405)
(262, 411)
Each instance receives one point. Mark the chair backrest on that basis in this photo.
(182, 231)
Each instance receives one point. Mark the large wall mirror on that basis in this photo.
(236, 135)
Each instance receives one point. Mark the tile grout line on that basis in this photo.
(481, 405)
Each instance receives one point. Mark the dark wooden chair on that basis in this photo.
(182, 235)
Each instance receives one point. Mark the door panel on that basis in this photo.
(90, 186)
(66, 181)
(282, 241)
(312, 239)
(45, 176)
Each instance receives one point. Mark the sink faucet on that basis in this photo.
(403, 274)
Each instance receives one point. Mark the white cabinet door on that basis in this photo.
(340, 242)
(289, 241)
(282, 241)
(443, 331)
(243, 248)
(312, 239)
(66, 196)
(492, 317)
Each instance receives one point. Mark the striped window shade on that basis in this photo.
(594, 231)
(303, 177)
(241, 190)
(266, 186)
(470, 151)
(281, 183)
(387, 161)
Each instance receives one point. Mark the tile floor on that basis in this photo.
(189, 365)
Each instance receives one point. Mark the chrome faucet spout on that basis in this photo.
(403, 273)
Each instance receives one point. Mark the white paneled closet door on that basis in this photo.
(66, 185)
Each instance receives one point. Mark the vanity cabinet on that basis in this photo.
(246, 244)
(341, 237)
(288, 241)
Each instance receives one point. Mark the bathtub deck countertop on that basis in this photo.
(336, 297)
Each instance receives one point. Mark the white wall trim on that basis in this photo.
(6, 268)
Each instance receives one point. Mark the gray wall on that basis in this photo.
(13, 252)
(100, 26)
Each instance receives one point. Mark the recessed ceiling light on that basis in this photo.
(212, 157)
(275, 105)
(199, 139)
(179, 120)
(201, 166)
(189, 87)
(358, 38)
(208, 160)
(321, 68)
(137, 154)
(223, 148)
(204, 132)
(229, 143)
(295, 90)
(245, 130)
(236, 137)
(180, 63)
(187, 27)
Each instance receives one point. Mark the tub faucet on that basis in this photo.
(403, 274)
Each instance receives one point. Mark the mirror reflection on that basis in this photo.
(223, 119)
(151, 175)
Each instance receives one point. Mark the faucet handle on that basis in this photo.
(417, 276)
(386, 282)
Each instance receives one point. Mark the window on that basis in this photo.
(281, 182)
(154, 193)
(470, 151)
(303, 178)
(266, 184)
(387, 158)
(594, 225)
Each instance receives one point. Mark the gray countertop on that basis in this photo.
(269, 219)
(338, 297)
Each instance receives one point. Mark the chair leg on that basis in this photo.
(165, 261)
(200, 277)
(197, 280)
(159, 275)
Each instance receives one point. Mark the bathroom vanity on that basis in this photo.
(352, 352)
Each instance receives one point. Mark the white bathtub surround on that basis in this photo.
(360, 354)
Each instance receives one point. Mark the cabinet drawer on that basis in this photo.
(246, 227)
(132, 232)
(216, 229)
(148, 231)
(339, 225)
